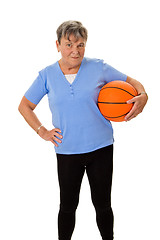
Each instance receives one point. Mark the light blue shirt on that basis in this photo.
(74, 106)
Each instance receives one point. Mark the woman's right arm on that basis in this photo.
(26, 108)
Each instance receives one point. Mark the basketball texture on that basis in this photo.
(112, 100)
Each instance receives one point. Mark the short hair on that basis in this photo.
(71, 27)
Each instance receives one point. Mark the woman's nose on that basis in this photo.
(75, 52)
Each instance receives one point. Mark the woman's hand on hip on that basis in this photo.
(51, 135)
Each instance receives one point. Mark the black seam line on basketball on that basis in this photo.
(120, 89)
(113, 102)
(115, 117)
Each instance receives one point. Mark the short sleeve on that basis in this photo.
(111, 74)
(37, 90)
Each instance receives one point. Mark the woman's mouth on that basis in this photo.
(75, 57)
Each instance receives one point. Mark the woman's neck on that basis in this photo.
(68, 69)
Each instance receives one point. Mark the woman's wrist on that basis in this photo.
(142, 93)
(39, 128)
(41, 131)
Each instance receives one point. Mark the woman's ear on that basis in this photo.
(57, 45)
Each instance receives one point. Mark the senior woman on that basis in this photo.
(83, 138)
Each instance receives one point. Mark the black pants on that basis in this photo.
(98, 165)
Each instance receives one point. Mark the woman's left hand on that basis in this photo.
(139, 103)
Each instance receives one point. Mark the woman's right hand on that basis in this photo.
(51, 135)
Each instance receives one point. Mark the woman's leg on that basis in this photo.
(99, 171)
(70, 174)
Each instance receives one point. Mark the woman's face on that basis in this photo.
(72, 51)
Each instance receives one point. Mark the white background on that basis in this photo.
(126, 35)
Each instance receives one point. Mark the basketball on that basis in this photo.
(112, 100)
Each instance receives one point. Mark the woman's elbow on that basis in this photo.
(25, 104)
(22, 106)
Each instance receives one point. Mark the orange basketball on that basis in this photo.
(112, 100)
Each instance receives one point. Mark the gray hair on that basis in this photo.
(71, 27)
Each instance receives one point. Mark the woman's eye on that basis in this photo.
(69, 45)
(81, 45)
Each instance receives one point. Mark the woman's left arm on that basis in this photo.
(139, 101)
